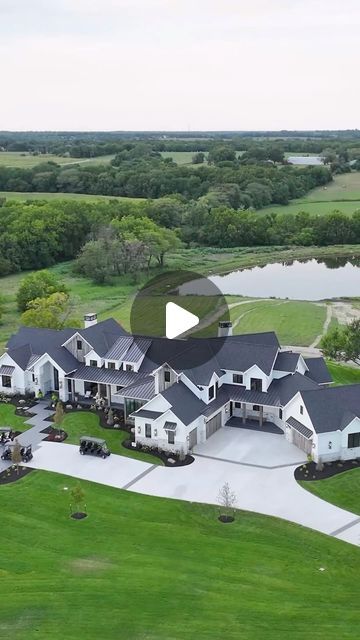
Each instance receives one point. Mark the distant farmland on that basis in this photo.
(26, 160)
(17, 195)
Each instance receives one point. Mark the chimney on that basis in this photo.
(90, 319)
(225, 329)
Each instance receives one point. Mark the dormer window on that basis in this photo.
(167, 376)
(111, 365)
(93, 363)
(211, 392)
(79, 345)
(237, 378)
(129, 367)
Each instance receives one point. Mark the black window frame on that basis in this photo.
(171, 437)
(129, 367)
(238, 378)
(301, 410)
(79, 344)
(353, 440)
(256, 384)
(211, 392)
(5, 380)
(280, 414)
(167, 376)
(237, 405)
(256, 407)
(93, 363)
(111, 365)
(147, 427)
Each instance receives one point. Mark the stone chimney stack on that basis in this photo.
(225, 329)
(90, 319)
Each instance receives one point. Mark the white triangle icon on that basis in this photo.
(178, 320)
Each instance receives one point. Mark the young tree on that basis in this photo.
(77, 498)
(16, 455)
(38, 285)
(59, 415)
(110, 418)
(226, 500)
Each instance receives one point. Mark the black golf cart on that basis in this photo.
(6, 435)
(93, 447)
(26, 452)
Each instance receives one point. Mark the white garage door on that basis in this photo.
(213, 425)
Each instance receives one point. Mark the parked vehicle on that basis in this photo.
(26, 452)
(93, 447)
(6, 435)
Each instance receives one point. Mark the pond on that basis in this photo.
(297, 280)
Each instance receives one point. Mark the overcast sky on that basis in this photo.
(179, 64)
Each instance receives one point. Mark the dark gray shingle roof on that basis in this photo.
(332, 408)
(287, 361)
(318, 370)
(184, 404)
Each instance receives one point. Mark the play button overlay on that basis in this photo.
(178, 320)
(184, 309)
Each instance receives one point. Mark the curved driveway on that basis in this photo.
(264, 489)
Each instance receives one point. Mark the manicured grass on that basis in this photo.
(31, 195)
(342, 490)
(86, 423)
(9, 419)
(144, 567)
(26, 161)
(295, 323)
(343, 374)
(314, 208)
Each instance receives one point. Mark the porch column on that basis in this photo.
(261, 416)
(244, 412)
(109, 395)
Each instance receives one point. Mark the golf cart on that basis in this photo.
(26, 453)
(93, 447)
(6, 435)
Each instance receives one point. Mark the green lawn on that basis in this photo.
(295, 323)
(86, 423)
(147, 568)
(181, 157)
(9, 419)
(343, 194)
(24, 160)
(343, 374)
(342, 490)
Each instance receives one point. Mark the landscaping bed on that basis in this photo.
(11, 475)
(54, 435)
(310, 472)
(169, 459)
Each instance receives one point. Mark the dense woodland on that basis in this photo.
(212, 204)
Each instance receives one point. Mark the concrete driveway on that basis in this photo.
(249, 447)
(270, 491)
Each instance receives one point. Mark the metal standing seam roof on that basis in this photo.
(137, 350)
(142, 390)
(170, 426)
(299, 427)
(6, 370)
(146, 413)
(105, 376)
(120, 347)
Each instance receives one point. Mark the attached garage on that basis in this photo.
(193, 438)
(213, 425)
(301, 436)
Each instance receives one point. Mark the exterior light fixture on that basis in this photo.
(155, 433)
(139, 429)
(330, 444)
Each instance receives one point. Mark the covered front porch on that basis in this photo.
(254, 425)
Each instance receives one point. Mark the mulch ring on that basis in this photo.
(308, 471)
(54, 435)
(78, 515)
(11, 475)
(159, 454)
(226, 519)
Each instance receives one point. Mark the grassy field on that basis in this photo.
(26, 161)
(181, 157)
(144, 567)
(342, 490)
(343, 194)
(343, 374)
(296, 323)
(30, 195)
(86, 423)
(9, 419)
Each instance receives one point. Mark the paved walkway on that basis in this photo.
(33, 435)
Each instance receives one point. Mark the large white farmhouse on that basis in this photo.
(246, 380)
